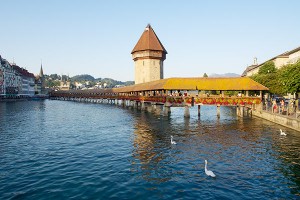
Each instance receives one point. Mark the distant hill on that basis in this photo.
(109, 82)
(83, 77)
(225, 75)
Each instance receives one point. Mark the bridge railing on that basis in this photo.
(224, 100)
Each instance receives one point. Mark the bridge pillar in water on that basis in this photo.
(149, 107)
(186, 112)
(199, 109)
(240, 110)
(153, 107)
(158, 109)
(167, 110)
(248, 111)
(142, 105)
(218, 111)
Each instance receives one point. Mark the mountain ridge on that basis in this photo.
(224, 75)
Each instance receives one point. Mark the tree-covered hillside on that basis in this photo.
(53, 80)
(83, 77)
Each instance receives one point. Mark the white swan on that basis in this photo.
(208, 172)
(172, 142)
(282, 133)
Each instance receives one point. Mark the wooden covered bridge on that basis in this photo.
(242, 92)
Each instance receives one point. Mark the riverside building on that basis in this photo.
(289, 57)
(15, 81)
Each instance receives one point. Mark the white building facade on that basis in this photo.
(10, 79)
(15, 81)
(289, 57)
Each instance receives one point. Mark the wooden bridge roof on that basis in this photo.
(226, 84)
(233, 84)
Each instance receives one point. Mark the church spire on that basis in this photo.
(41, 70)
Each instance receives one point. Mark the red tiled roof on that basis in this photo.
(149, 41)
(23, 71)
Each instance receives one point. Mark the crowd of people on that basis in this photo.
(282, 107)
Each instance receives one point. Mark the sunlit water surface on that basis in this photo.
(68, 150)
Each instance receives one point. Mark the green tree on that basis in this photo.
(52, 83)
(205, 75)
(282, 81)
(270, 81)
(268, 67)
(289, 78)
(83, 78)
(54, 76)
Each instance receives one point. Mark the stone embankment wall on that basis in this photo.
(286, 121)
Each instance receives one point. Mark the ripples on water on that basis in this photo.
(63, 150)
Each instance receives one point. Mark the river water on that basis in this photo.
(69, 150)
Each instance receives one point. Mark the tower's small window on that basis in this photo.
(143, 63)
(153, 62)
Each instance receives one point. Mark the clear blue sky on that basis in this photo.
(96, 37)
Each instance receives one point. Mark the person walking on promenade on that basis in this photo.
(274, 106)
(292, 107)
(282, 106)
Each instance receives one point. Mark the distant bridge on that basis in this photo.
(176, 92)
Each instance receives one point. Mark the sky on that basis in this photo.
(96, 37)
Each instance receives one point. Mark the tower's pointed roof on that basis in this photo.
(41, 71)
(149, 41)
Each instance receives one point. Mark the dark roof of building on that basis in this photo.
(289, 52)
(22, 71)
(149, 41)
(249, 68)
